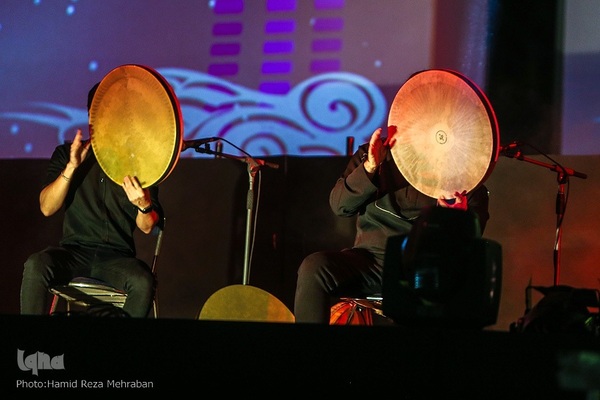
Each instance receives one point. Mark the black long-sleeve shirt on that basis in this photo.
(388, 205)
(97, 210)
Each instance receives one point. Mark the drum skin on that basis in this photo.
(245, 303)
(447, 133)
(136, 125)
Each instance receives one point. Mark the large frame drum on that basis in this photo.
(447, 133)
(136, 125)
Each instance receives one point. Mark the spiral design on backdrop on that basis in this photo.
(313, 119)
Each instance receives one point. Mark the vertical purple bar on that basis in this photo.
(285, 49)
(326, 45)
(278, 47)
(281, 5)
(329, 4)
(275, 87)
(323, 66)
(227, 28)
(228, 6)
(280, 26)
(326, 24)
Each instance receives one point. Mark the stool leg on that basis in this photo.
(54, 304)
(365, 312)
(368, 314)
(353, 310)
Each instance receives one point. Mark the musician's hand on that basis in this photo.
(378, 148)
(79, 150)
(138, 196)
(460, 201)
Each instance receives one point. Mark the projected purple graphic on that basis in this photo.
(265, 51)
(272, 77)
(314, 118)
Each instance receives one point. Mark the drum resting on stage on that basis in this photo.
(245, 303)
(447, 133)
(136, 125)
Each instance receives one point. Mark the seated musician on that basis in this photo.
(100, 218)
(373, 189)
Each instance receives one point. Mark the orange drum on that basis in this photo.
(348, 312)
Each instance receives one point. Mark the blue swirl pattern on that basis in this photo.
(313, 119)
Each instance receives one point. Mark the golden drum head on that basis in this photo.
(136, 125)
(447, 137)
(245, 303)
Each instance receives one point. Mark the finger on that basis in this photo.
(373, 142)
(388, 141)
(375, 136)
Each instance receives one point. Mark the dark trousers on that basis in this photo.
(326, 275)
(58, 265)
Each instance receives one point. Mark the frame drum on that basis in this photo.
(136, 126)
(447, 133)
(245, 303)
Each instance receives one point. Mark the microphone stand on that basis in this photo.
(561, 204)
(253, 166)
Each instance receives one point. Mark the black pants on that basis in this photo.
(325, 275)
(58, 265)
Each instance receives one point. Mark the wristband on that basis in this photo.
(146, 210)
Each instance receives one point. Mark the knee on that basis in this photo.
(313, 265)
(36, 265)
(142, 278)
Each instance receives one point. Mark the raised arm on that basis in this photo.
(52, 196)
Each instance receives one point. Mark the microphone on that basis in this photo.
(510, 146)
(187, 144)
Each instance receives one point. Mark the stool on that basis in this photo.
(96, 294)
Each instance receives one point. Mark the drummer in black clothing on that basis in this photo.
(373, 189)
(100, 218)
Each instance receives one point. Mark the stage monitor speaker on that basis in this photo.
(443, 273)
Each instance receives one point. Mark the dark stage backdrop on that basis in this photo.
(205, 202)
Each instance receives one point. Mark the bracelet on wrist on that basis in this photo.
(66, 178)
(146, 210)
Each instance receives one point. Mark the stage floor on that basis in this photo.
(122, 356)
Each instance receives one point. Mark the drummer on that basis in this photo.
(373, 189)
(100, 217)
